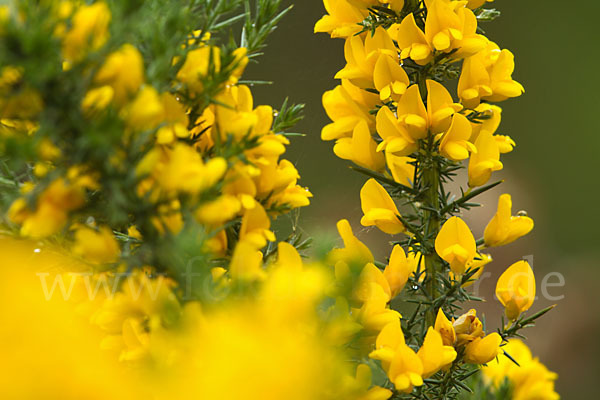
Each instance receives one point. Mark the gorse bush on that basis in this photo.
(140, 182)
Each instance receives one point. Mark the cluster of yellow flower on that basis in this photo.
(394, 118)
(189, 143)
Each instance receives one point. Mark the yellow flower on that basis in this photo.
(168, 218)
(434, 354)
(485, 161)
(293, 196)
(449, 26)
(483, 350)
(445, 328)
(240, 60)
(398, 270)
(354, 250)
(175, 119)
(412, 41)
(342, 20)
(218, 211)
(96, 100)
(402, 365)
(488, 76)
(374, 313)
(122, 70)
(406, 369)
(362, 56)
(52, 208)
(146, 111)
(440, 107)
(186, 172)
(89, 31)
(130, 316)
(396, 139)
(370, 274)
(238, 117)
(504, 228)
(402, 168)
(346, 106)
(515, 289)
(379, 208)
(246, 262)
(455, 143)
(389, 78)
(388, 340)
(412, 114)
(360, 148)
(197, 65)
(96, 246)
(255, 227)
(456, 245)
(468, 328)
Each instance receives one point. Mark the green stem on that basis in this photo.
(431, 180)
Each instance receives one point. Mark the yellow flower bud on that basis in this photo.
(445, 328)
(515, 289)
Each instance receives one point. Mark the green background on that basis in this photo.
(552, 173)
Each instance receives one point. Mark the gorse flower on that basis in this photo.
(505, 228)
(379, 208)
(516, 289)
(455, 244)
